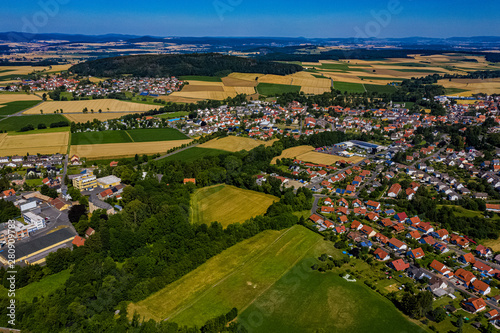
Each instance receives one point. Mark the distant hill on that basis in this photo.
(206, 64)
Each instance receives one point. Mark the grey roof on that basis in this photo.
(99, 203)
(32, 246)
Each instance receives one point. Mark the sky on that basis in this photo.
(276, 18)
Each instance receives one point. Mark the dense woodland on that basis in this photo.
(210, 64)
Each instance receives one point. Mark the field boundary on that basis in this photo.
(129, 136)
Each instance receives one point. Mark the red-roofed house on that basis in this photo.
(397, 245)
(399, 265)
(441, 268)
(417, 253)
(465, 276)
(368, 231)
(356, 225)
(373, 205)
(467, 258)
(394, 191)
(474, 304)
(78, 241)
(316, 219)
(482, 267)
(481, 287)
(381, 254)
(414, 234)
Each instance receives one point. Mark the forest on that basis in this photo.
(209, 64)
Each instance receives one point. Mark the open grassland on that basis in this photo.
(307, 154)
(14, 107)
(273, 89)
(105, 105)
(171, 115)
(349, 87)
(235, 143)
(47, 143)
(193, 154)
(83, 118)
(119, 150)
(200, 78)
(43, 287)
(233, 278)
(269, 280)
(332, 303)
(16, 123)
(136, 135)
(227, 205)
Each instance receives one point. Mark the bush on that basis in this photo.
(41, 126)
(27, 128)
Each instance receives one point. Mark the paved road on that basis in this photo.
(64, 186)
(173, 153)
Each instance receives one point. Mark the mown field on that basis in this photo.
(105, 105)
(235, 143)
(269, 280)
(227, 204)
(307, 154)
(14, 107)
(171, 115)
(47, 143)
(16, 123)
(136, 135)
(193, 154)
(43, 287)
(272, 89)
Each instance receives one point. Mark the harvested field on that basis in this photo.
(307, 154)
(102, 104)
(201, 95)
(83, 118)
(276, 79)
(239, 90)
(119, 150)
(49, 143)
(235, 143)
(314, 91)
(245, 76)
(7, 98)
(202, 87)
(473, 86)
(233, 82)
(180, 99)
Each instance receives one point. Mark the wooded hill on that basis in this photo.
(207, 64)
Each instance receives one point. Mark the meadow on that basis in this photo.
(171, 115)
(227, 205)
(14, 107)
(272, 89)
(16, 123)
(136, 135)
(43, 287)
(235, 143)
(269, 280)
(193, 154)
(349, 87)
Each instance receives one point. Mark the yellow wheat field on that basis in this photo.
(245, 76)
(103, 104)
(235, 143)
(47, 143)
(120, 150)
(307, 154)
(473, 86)
(276, 79)
(6, 98)
(83, 118)
(313, 90)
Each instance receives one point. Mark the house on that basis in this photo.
(441, 234)
(189, 180)
(441, 248)
(425, 227)
(327, 210)
(356, 225)
(462, 242)
(441, 268)
(397, 245)
(108, 181)
(474, 304)
(89, 232)
(372, 216)
(467, 258)
(417, 253)
(398, 227)
(368, 231)
(381, 254)
(340, 230)
(394, 191)
(401, 217)
(386, 222)
(481, 287)
(78, 241)
(373, 205)
(493, 208)
(414, 221)
(465, 276)
(343, 219)
(316, 219)
(491, 314)
(483, 251)
(113, 164)
(482, 267)
(381, 238)
(414, 234)
(437, 286)
(399, 265)
(85, 182)
(342, 202)
(357, 203)
(417, 273)
(426, 239)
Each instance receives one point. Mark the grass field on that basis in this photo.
(272, 89)
(380, 89)
(83, 118)
(269, 280)
(43, 287)
(136, 135)
(171, 115)
(349, 87)
(17, 97)
(121, 150)
(16, 123)
(48, 143)
(14, 107)
(193, 154)
(200, 78)
(307, 154)
(227, 205)
(105, 105)
(235, 143)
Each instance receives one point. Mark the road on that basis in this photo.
(172, 153)
(64, 186)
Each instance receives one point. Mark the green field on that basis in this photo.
(380, 89)
(201, 78)
(379, 78)
(16, 123)
(227, 204)
(451, 91)
(272, 89)
(417, 70)
(171, 115)
(193, 154)
(43, 287)
(320, 76)
(269, 280)
(14, 107)
(136, 135)
(349, 87)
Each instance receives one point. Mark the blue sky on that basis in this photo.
(281, 18)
